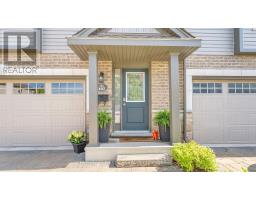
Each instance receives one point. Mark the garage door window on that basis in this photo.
(242, 88)
(207, 88)
(2, 88)
(67, 88)
(28, 88)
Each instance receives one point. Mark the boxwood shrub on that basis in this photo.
(194, 157)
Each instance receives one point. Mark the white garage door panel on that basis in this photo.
(224, 118)
(40, 120)
(209, 124)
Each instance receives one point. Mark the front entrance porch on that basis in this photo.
(146, 75)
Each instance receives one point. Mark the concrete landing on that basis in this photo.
(143, 160)
(110, 151)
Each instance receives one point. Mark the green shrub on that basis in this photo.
(194, 157)
(104, 119)
(244, 169)
(77, 137)
(162, 118)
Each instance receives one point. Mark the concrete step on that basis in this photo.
(136, 139)
(110, 151)
(143, 160)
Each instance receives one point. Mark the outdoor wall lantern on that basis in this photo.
(102, 88)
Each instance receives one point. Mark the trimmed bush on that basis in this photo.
(194, 157)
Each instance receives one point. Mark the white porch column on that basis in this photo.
(93, 99)
(174, 97)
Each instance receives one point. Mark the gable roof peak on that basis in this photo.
(134, 32)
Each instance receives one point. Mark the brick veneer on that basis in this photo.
(214, 61)
(160, 88)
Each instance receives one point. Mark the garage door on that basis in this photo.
(40, 112)
(224, 112)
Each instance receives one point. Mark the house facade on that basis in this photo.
(205, 77)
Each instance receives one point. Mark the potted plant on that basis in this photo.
(79, 140)
(104, 121)
(162, 119)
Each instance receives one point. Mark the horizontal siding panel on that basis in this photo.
(249, 38)
(208, 30)
(55, 39)
(214, 41)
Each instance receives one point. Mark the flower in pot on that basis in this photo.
(162, 119)
(79, 140)
(104, 121)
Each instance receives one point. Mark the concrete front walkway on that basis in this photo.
(228, 159)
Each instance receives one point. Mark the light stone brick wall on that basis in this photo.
(61, 60)
(160, 89)
(230, 62)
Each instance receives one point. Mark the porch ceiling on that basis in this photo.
(131, 54)
(139, 49)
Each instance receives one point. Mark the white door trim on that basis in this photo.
(208, 73)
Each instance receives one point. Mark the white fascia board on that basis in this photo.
(185, 42)
(221, 72)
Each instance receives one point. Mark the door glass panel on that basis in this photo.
(135, 86)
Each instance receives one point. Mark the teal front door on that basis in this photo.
(135, 114)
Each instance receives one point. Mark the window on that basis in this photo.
(67, 88)
(28, 88)
(207, 88)
(2, 88)
(239, 88)
(135, 86)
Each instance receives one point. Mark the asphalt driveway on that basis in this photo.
(228, 159)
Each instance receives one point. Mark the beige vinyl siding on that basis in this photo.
(249, 38)
(214, 41)
(54, 39)
(219, 41)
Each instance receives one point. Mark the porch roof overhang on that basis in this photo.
(133, 50)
